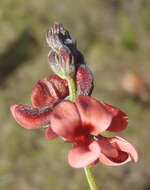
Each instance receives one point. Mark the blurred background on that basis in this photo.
(114, 36)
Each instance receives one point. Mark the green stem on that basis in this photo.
(72, 97)
(90, 178)
(72, 89)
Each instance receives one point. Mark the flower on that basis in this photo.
(81, 124)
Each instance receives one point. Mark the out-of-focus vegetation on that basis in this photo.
(114, 36)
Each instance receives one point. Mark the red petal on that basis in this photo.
(48, 91)
(110, 162)
(41, 95)
(30, 117)
(115, 151)
(93, 114)
(84, 80)
(65, 120)
(125, 146)
(60, 85)
(49, 134)
(119, 121)
(107, 148)
(81, 156)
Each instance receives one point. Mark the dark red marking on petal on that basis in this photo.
(115, 151)
(112, 161)
(125, 146)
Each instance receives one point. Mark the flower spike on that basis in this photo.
(63, 107)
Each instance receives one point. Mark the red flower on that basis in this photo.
(82, 122)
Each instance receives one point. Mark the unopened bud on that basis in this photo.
(84, 80)
(60, 57)
(61, 37)
(62, 64)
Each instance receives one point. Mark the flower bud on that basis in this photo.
(84, 80)
(62, 64)
(60, 57)
(57, 37)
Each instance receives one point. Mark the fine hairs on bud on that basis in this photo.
(60, 57)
